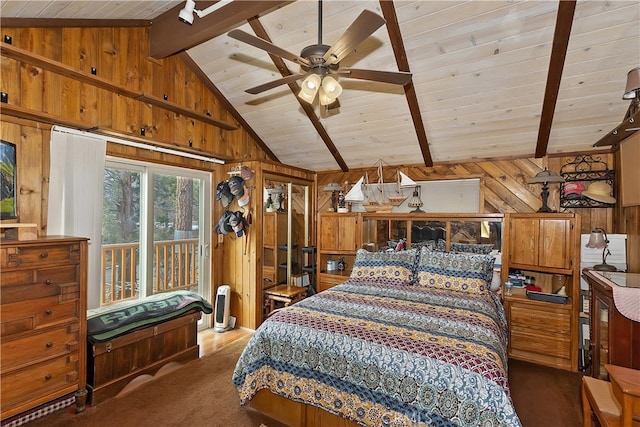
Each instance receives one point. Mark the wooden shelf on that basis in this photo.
(23, 55)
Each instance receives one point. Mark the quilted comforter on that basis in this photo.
(383, 354)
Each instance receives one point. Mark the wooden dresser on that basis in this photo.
(43, 285)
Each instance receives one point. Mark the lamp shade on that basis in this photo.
(544, 177)
(597, 239)
(310, 87)
(334, 186)
(633, 84)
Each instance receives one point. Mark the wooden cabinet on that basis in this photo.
(541, 242)
(615, 339)
(43, 322)
(544, 247)
(338, 237)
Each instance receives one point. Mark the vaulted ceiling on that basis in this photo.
(490, 79)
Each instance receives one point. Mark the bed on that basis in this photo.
(411, 338)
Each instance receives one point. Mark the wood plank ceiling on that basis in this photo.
(491, 79)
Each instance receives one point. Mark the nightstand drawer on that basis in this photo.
(553, 346)
(546, 321)
(59, 341)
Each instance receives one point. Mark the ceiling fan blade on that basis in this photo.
(393, 77)
(265, 45)
(270, 85)
(364, 25)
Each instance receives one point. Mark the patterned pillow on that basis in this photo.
(390, 265)
(482, 248)
(456, 271)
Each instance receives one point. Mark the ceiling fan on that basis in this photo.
(319, 62)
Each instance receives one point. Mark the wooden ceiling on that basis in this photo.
(491, 79)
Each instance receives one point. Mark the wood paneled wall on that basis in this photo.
(119, 56)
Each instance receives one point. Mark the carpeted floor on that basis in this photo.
(201, 394)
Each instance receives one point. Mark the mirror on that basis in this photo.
(286, 232)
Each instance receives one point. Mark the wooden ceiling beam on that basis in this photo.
(169, 36)
(260, 31)
(564, 21)
(393, 28)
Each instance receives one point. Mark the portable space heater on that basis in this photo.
(221, 322)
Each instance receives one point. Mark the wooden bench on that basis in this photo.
(615, 403)
(165, 330)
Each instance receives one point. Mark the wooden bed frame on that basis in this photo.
(294, 413)
(112, 364)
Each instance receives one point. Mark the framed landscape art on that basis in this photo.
(8, 180)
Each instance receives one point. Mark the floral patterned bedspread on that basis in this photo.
(384, 354)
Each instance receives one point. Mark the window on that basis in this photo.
(155, 231)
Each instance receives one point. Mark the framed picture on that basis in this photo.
(8, 180)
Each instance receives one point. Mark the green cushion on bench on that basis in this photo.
(108, 322)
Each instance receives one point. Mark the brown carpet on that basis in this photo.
(545, 397)
(542, 396)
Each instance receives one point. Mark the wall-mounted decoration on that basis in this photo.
(588, 183)
(8, 180)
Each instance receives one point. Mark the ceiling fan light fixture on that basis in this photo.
(331, 87)
(632, 90)
(309, 88)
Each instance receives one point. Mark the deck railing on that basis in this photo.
(175, 266)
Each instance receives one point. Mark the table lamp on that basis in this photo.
(544, 178)
(333, 187)
(598, 240)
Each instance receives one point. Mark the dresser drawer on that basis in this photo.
(24, 316)
(38, 380)
(550, 322)
(30, 255)
(54, 342)
(20, 285)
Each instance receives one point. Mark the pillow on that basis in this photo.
(455, 271)
(482, 248)
(391, 265)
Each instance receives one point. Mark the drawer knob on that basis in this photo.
(44, 254)
(47, 377)
(49, 344)
(48, 282)
(48, 312)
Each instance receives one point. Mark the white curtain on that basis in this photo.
(75, 197)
